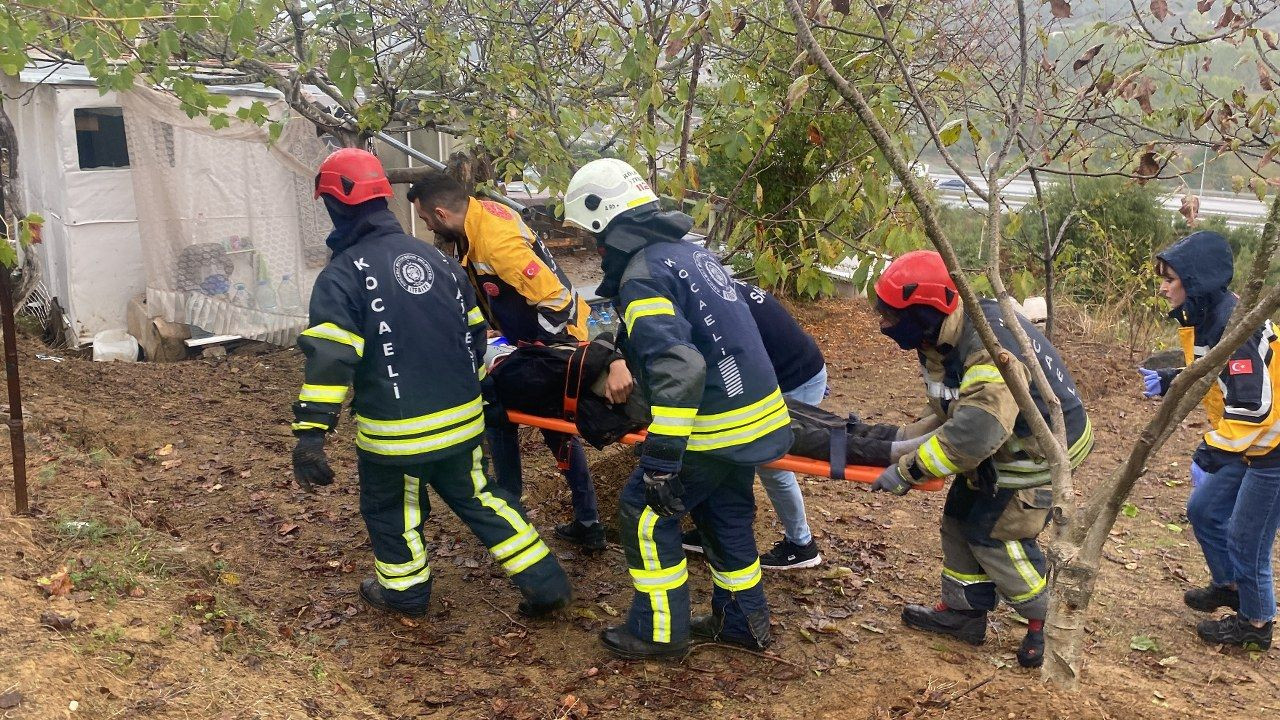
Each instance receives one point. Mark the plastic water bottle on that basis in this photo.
(605, 317)
(290, 297)
(242, 298)
(266, 297)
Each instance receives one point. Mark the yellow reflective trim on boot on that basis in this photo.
(1034, 580)
(323, 393)
(524, 560)
(309, 426)
(737, 580)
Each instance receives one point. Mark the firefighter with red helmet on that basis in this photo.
(1000, 498)
(397, 319)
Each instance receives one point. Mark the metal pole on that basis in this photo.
(437, 165)
(17, 438)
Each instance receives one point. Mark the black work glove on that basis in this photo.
(662, 492)
(310, 467)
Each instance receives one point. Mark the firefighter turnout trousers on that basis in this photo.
(394, 504)
(989, 547)
(718, 495)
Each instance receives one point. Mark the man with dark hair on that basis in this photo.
(529, 299)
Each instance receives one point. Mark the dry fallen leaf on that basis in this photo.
(286, 528)
(166, 450)
(58, 584)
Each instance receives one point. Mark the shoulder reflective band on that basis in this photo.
(644, 307)
(329, 331)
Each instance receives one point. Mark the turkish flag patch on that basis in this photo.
(490, 289)
(1240, 367)
(532, 268)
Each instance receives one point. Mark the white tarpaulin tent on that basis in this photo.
(217, 228)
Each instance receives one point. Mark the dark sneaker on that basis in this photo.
(590, 537)
(967, 625)
(1235, 630)
(787, 555)
(692, 541)
(371, 593)
(1031, 651)
(710, 628)
(1208, 599)
(619, 641)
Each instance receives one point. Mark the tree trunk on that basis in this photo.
(17, 437)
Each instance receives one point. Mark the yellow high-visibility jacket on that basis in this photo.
(521, 290)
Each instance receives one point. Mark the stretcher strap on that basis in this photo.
(857, 473)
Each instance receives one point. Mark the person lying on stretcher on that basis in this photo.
(568, 382)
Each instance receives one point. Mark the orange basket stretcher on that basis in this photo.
(819, 468)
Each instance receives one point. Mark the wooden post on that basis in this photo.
(17, 438)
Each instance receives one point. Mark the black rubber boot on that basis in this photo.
(1235, 630)
(619, 641)
(1031, 651)
(710, 628)
(590, 537)
(967, 625)
(371, 593)
(1208, 599)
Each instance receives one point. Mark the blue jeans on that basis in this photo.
(504, 450)
(781, 485)
(1234, 513)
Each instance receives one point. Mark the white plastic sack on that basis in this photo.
(113, 345)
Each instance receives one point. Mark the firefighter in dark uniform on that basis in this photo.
(529, 299)
(1000, 498)
(397, 318)
(717, 413)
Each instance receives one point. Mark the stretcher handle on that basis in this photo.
(865, 474)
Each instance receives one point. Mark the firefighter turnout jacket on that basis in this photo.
(696, 352)
(981, 418)
(1244, 418)
(521, 290)
(396, 317)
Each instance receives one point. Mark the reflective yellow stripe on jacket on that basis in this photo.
(329, 331)
(741, 426)
(422, 434)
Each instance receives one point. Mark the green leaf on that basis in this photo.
(274, 129)
(1173, 527)
(1129, 510)
(219, 121)
(949, 133)
(1144, 643)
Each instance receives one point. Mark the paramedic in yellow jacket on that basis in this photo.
(529, 299)
(1234, 506)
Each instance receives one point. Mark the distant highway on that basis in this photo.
(1237, 210)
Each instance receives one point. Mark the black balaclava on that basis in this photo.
(917, 324)
(346, 217)
(1204, 262)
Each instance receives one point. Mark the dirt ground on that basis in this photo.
(172, 569)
